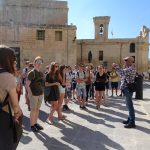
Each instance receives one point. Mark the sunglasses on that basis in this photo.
(56, 66)
(39, 62)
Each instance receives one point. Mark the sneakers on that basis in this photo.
(97, 107)
(62, 117)
(36, 128)
(50, 122)
(83, 107)
(125, 121)
(130, 125)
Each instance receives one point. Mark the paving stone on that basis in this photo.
(90, 129)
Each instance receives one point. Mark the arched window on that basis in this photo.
(132, 48)
(101, 29)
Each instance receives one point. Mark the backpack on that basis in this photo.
(37, 84)
(79, 76)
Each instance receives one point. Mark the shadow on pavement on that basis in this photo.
(87, 139)
(51, 143)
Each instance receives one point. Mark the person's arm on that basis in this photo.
(50, 84)
(118, 69)
(28, 87)
(64, 78)
(15, 103)
(125, 71)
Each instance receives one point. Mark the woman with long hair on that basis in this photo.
(9, 106)
(100, 85)
(53, 82)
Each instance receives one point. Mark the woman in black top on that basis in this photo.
(52, 81)
(100, 85)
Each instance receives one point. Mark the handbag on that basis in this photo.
(17, 128)
(15, 125)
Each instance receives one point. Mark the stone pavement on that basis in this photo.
(91, 129)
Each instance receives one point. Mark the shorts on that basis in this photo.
(81, 91)
(61, 89)
(100, 87)
(35, 101)
(107, 85)
(74, 84)
(68, 93)
(114, 85)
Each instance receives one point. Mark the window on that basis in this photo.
(132, 48)
(58, 35)
(100, 55)
(101, 29)
(40, 34)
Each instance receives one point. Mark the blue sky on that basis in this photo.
(127, 16)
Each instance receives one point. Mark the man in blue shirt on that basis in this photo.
(127, 75)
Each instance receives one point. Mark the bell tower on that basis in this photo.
(101, 27)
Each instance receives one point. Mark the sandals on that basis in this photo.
(50, 121)
(62, 117)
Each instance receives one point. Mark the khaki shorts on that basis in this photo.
(36, 101)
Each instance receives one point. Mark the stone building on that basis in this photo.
(40, 27)
(106, 51)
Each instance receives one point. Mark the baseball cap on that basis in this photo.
(38, 60)
(130, 58)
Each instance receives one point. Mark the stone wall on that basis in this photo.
(37, 12)
(63, 52)
(113, 51)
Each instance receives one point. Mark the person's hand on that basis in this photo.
(17, 114)
(57, 83)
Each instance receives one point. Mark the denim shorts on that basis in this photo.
(61, 89)
(81, 91)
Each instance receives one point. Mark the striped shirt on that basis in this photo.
(127, 75)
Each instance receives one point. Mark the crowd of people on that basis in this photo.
(58, 84)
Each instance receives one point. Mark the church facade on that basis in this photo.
(40, 27)
(106, 51)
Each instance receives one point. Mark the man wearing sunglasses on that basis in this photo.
(127, 75)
